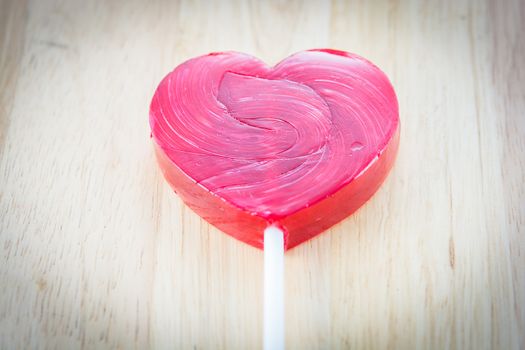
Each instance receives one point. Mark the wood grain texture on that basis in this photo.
(97, 252)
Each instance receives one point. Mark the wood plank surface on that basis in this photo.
(96, 252)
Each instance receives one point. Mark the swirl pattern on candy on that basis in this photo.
(300, 145)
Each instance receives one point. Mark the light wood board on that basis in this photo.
(97, 252)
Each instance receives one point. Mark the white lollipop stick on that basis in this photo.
(273, 289)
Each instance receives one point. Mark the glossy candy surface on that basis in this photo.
(301, 145)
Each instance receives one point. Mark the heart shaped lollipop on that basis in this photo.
(300, 145)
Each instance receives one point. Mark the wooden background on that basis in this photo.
(97, 252)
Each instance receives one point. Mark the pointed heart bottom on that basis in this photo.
(300, 145)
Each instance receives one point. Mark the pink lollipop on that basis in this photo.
(275, 155)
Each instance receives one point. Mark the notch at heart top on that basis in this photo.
(300, 145)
